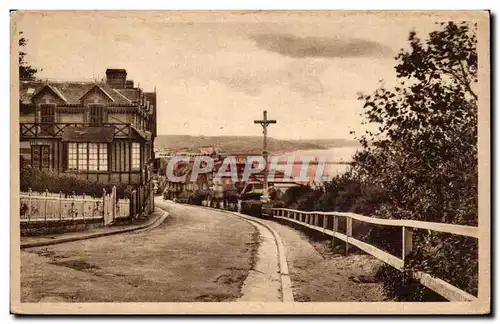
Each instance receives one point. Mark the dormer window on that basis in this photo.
(47, 113)
(96, 114)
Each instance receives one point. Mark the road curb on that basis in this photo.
(149, 225)
(286, 283)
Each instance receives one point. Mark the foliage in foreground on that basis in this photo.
(422, 162)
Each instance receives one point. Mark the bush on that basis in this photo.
(197, 197)
(67, 184)
(401, 287)
(251, 207)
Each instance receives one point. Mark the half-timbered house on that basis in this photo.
(102, 131)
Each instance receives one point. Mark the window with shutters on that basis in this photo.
(88, 156)
(96, 114)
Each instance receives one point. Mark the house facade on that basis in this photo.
(103, 132)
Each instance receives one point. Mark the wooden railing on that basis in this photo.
(319, 221)
(33, 130)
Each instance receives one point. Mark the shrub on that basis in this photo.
(251, 207)
(67, 184)
(197, 197)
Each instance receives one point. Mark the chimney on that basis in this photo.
(116, 78)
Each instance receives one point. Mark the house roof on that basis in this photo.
(98, 87)
(72, 92)
(51, 88)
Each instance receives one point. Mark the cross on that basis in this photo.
(265, 123)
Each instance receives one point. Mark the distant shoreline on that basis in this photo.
(246, 144)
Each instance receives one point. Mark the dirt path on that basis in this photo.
(319, 274)
(195, 255)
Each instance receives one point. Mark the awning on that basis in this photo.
(144, 134)
(94, 134)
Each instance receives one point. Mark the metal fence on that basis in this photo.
(48, 207)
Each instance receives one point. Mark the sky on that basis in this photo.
(215, 74)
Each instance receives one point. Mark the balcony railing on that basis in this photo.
(48, 130)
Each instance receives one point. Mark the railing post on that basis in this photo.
(348, 233)
(45, 209)
(316, 220)
(29, 205)
(407, 241)
(325, 217)
(335, 229)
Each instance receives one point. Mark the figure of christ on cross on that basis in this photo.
(265, 123)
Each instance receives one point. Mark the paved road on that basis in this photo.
(195, 255)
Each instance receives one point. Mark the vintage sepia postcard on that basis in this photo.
(250, 162)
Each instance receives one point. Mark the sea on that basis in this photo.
(335, 158)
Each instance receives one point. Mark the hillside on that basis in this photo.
(245, 144)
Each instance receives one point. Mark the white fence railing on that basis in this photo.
(327, 223)
(50, 207)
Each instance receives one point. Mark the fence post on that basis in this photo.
(348, 233)
(316, 220)
(72, 206)
(113, 202)
(325, 218)
(83, 206)
(60, 205)
(29, 205)
(335, 229)
(45, 209)
(407, 241)
(133, 204)
(103, 204)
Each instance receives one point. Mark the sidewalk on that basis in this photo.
(155, 219)
(319, 274)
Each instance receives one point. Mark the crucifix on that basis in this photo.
(265, 123)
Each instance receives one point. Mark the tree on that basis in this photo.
(424, 155)
(25, 70)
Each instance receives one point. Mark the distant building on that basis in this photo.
(101, 131)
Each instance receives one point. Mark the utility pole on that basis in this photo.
(265, 123)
